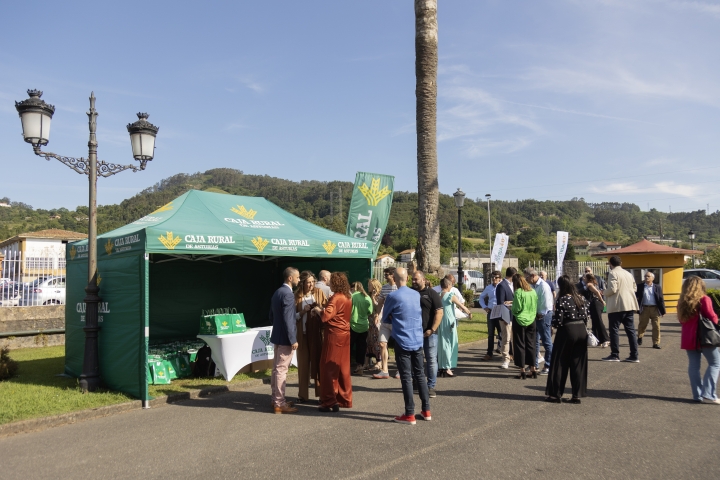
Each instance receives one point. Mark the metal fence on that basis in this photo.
(599, 268)
(31, 280)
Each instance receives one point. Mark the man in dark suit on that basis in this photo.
(503, 295)
(652, 308)
(283, 338)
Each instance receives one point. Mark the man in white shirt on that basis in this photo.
(543, 319)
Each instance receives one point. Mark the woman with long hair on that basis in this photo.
(594, 296)
(361, 309)
(335, 383)
(694, 302)
(447, 331)
(308, 334)
(524, 310)
(570, 347)
(373, 339)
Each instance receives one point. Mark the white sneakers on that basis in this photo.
(708, 400)
(505, 365)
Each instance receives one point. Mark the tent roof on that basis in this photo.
(644, 247)
(219, 224)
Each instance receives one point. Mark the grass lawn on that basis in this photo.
(37, 391)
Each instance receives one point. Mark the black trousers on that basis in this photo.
(569, 355)
(524, 350)
(598, 327)
(493, 324)
(627, 319)
(359, 342)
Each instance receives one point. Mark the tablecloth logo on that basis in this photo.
(265, 337)
(260, 243)
(240, 210)
(374, 194)
(169, 241)
(329, 247)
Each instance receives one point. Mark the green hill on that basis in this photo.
(530, 223)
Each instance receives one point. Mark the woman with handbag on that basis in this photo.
(693, 304)
(570, 353)
(594, 296)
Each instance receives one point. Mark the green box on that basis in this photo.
(216, 325)
(238, 323)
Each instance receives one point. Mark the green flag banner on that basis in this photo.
(370, 207)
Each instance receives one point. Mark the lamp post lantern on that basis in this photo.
(459, 201)
(691, 234)
(36, 116)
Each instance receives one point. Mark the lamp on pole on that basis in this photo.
(487, 196)
(459, 200)
(691, 234)
(36, 116)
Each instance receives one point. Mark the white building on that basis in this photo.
(30, 255)
(384, 261)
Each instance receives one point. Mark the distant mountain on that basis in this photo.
(530, 223)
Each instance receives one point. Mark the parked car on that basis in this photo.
(44, 291)
(10, 294)
(473, 280)
(710, 277)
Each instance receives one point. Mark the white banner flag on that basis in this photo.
(499, 249)
(562, 244)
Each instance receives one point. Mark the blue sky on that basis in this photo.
(602, 99)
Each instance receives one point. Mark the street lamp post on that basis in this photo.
(36, 116)
(459, 200)
(691, 234)
(487, 195)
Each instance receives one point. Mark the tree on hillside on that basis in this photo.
(426, 62)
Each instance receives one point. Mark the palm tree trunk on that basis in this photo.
(426, 62)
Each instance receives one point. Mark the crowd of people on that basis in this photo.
(325, 319)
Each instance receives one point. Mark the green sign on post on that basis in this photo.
(370, 207)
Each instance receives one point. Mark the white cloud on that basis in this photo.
(248, 82)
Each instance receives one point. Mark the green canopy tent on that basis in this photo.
(202, 251)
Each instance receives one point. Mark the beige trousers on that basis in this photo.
(506, 329)
(650, 313)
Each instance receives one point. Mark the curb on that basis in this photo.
(44, 423)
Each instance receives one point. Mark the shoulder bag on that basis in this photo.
(707, 332)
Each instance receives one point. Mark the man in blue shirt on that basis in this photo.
(543, 318)
(402, 309)
(487, 301)
(652, 308)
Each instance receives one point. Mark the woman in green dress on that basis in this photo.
(447, 331)
(524, 310)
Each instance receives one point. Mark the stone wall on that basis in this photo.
(15, 319)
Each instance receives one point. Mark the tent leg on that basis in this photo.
(145, 404)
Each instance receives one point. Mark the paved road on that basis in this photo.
(638, 422)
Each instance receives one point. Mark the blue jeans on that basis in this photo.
(708, 387)
(544, 336)
(628, 321)
(410, 366)
(431, 366)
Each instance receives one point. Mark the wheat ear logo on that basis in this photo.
(73, 252)
(108, 247)
(164, 208)
(169, 241)
(260, 243)
(240, 210)
(265, 337)
(374, 195)
(329, 246)
(99, 279)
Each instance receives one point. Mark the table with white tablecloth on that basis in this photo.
(234, 351)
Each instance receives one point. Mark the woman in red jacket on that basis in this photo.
(335, 384)
(693, 301)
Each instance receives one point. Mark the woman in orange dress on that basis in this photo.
(335, 384)
(308, 334)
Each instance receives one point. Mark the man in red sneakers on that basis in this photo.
(402, 309)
